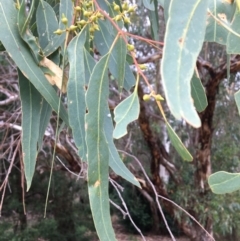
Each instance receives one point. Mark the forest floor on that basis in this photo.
(123, 235)
(131, 237)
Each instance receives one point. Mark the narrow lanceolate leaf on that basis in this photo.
(97, 150)
(126, 112)
(198, 94)
(216, 32)
(129, 80)
(25, 32)
(117, 62)
(46, 23)
(178, 145)
(76, 92)
(233, 46)
(115, 161)
(224, 182)
(31, 107)
(154, 21)
(182, 44)
(10, 38)
(66, 9)
(149, 5)
(89, 64)
(45, 114)
(237, 100)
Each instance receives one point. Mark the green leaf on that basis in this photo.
(76, 92)
(126, 112)
(115, 161)
(89, 65)
(237, 100)
(66, 9)
(154, 21)
(2, 48)
(233, 46)
(149, 4)
(216, 32)
(198, 94)
(117, 62)
(97, 149)
(45, 115)
(166, 6)
(25, 32)
(103, 39)
(20, 53)
(224, 182)
(183, 41)
(129, 80)
(177, 143)
(31, 108)
(46, 23)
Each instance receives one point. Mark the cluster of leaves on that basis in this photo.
(43, 37)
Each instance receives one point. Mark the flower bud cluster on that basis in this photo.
(123, 12)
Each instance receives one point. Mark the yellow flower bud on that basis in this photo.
(125, 6)
(64, 20)
(73, 28)
(130, 47)
(58, 31)
(116, 8)
(127, 20)
(158, 97)
(146, 97)
(78, 8)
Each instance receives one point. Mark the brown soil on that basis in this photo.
(130, 237)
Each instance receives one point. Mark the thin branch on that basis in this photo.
(157, 196)
(119, 208)
(77, 175)
(4, 184)
(115, 185)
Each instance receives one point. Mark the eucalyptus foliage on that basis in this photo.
(70, 34)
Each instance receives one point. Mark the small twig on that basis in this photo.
(77, 175)
(119, 208)
(126, 208)
(4, 184)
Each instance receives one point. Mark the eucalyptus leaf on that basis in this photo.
(224, 182)
(25, 32)
(118, 60)
(183, 42)
(198, 94)
(31, 109)
(233, 46)
(46, 23)
(45, 114)
(177, 143)
(126, 112)
(65, 9)
(117, 64)
(97, 149)
(154, 21)
(115, 161)
(216, 32)
(76, 92)
(19, 52)
(149, 4)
